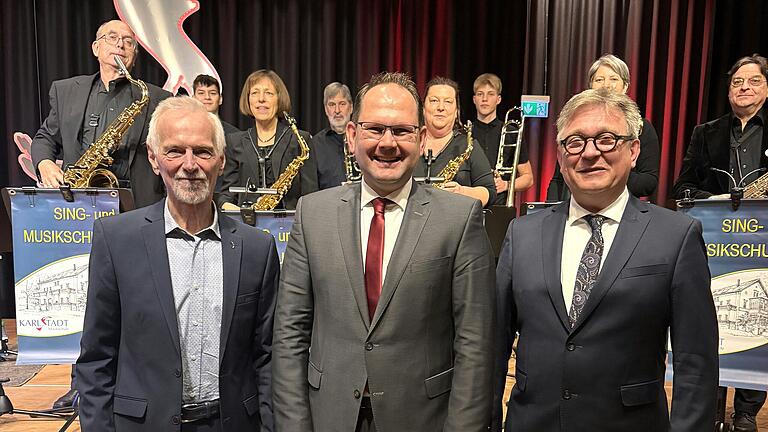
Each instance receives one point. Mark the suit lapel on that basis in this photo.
(76, 108)
(414, 218)
(136, 129)
(551, 252)
(719, 142)
(231, 255)
(348, 227)
(633, 224)
(157, 252)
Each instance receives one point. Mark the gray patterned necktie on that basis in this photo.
(589, 267)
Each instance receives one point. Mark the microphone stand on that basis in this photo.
(737, 192)
(428, 179)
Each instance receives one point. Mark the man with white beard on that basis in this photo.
(175, 331)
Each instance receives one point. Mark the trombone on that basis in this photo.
(510, 127)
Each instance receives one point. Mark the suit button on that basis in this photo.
(177, 373)
(566, 394)
(175, 420)
(356, 394)
(368, 346)
(571, 346)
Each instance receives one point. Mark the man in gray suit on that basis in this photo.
(386, 308)
(595, 284)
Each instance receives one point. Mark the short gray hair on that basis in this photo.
(190, 105)
(607, 99)
(334, 89)
(613, 63)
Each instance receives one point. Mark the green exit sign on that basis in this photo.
(535, 106)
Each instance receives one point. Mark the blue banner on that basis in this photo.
(51, 245)
(278, 224)
(737, 248)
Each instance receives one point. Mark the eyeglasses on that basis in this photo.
(754, 81)
(376, 131)
(113, 38)
(604, 142)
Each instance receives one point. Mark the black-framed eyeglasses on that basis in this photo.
(113, 39)
(754, 81)
(604, 142)
(401, 132)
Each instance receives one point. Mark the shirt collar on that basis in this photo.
(614, 211)
(170, 222)
(399, 197)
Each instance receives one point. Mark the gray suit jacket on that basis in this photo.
(607, 372)
(426, 354)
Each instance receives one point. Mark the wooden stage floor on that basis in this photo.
(53, 381)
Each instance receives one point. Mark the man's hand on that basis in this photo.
(501, 185)
(50, 174)
(229, 206)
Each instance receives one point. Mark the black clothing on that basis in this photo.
(103, 107)
(748, 401)
(228, 128)
(488, 135)
(60, 134)
(643, 178)
(328, 147)
(476, 171)
(242, 166)
(710, 148)
(745, 146)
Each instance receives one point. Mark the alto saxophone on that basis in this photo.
(91, 170)
(283, 183)
(450, 170)
(758, 188)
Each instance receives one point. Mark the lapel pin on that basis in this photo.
(232, 243)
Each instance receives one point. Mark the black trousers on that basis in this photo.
(748, 401)
(365, 421)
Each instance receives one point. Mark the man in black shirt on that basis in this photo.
(487, 132)
(83, 107)
(736, 143)
(207, 90)
(328, 144)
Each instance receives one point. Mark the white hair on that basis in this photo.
(186, 104)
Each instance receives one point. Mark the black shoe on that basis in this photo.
(67, 401)
(744, 422)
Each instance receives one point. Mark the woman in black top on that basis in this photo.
(611, 72)
(441, 117)
(264, 98)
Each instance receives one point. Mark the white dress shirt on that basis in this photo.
(393, 218)
(576, 235)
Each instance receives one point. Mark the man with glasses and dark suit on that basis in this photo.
(595, 284)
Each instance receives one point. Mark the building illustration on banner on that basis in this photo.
(51, 301)
(741, 302)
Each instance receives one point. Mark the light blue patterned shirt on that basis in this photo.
(197, 278)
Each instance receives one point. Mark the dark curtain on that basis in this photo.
(665, 45)
(678, 53)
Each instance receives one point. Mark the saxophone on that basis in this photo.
(283, 183)
(758, 188)
(450, 170)
(91, 170)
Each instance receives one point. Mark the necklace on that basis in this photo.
(266, 140)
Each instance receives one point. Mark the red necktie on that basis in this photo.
(374, 255)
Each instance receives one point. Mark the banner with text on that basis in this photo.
(51, 246)
(737, 248)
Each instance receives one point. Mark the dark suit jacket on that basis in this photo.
(58, 135)
(129, 370)
(607, 373)
(243, 164)
(427, 353)
(711, 147)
